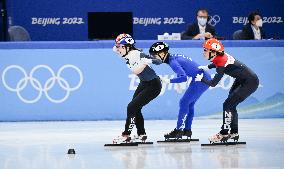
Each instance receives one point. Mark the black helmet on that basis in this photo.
(159, 47)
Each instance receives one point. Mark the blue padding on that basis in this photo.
(139, 44)
(95, 84)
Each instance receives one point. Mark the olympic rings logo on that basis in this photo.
(214, 20)
(42, 88)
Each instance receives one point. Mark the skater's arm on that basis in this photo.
(156, 61)
(153, 60)
(135, 64)
(218, 76)
(137, 68)
(211, 66)
(181, 75)
(207, 67)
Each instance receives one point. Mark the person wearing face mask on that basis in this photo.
(200, 29)
(253, 30)
(148, 89)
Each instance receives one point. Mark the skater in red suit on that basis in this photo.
(246, 82)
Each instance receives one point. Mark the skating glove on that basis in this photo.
(146, 61)
(203, 67)
(179, 88)
(165, 80)
(198, 77)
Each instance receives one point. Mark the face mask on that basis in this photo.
(202, 21)
(259, 23)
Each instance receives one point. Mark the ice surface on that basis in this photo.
(44, 145)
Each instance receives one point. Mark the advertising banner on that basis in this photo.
(95, 84)
(67, 20)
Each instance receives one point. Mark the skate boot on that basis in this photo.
(141, 137)
(234, 136)
(175, 134)
(217, 138)
(122, 139)
(187, 133)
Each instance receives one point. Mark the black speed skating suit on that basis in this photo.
(246, 82)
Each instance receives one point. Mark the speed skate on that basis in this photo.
(219, 139)
(141, 139)
(129, 141)
(123, 140)
(181, 140)
(177, 136)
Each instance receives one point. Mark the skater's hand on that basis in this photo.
(198, 77)
(179, 88)
(208, 35)
(146, 61)
(165, 80)
(203, 67)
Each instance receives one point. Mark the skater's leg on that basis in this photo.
(235, 86)
(232, 101)
(238, 93)
(131, 116)
(190, 115)
(140, 87)
(234, 89)
(187, 98)
(230, 117)
(150, 91)
(188, 122)
(184, 108)
(234, 124)
(197, 90)
(236, 96)
(140, 123)
(139, 116)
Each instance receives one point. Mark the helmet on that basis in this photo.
(124, 39)
(159, 47)
(213, 44)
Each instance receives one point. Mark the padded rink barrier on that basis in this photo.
(43, 81)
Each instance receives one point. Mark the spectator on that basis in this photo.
(200, 29)
(253, 30)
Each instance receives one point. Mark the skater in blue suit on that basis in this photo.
(184, 67)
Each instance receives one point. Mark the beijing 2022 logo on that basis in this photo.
(44, 87)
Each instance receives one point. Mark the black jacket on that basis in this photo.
(193, 30)
(248, 34)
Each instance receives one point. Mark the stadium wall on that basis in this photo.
(87, 81)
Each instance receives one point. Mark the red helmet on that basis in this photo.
(213, 44)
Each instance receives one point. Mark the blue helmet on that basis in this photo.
(124, 39)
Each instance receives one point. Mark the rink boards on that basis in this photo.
(86, 81)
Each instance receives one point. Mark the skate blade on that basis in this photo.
(177, 140)
(142, 142)
(224, 144)
(122, 144)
